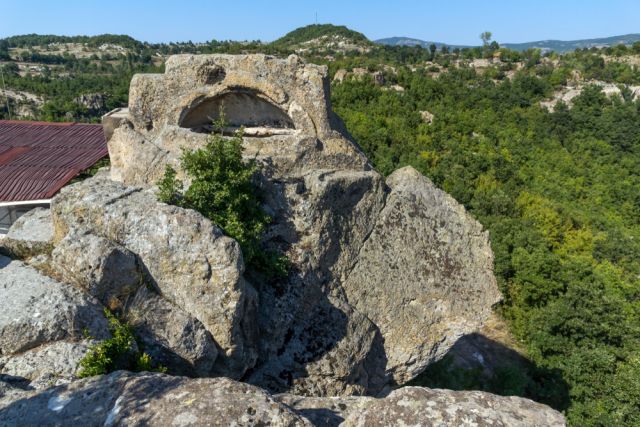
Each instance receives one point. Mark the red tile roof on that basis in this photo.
(39, 158)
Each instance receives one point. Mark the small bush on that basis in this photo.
(222, 189)
(118, 352)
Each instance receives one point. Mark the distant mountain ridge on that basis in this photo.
(318, 35)
(408, 41)
(559, 46)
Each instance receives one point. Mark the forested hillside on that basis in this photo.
(543, 150)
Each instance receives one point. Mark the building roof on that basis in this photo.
(39, 158)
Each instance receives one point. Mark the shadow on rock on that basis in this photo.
(477, 362)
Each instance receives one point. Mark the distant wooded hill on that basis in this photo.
(559, 46)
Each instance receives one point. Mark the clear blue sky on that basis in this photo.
(449, 21)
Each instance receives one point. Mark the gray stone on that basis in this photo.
(325, 411)
(13, 388)
(126, 399)
(92, 101)
(312, 342)
(171, 336)
(181, 253)
(29, 236)
(98, 266)
(424, 276)
(417, 406)
(279, 103)
(40, 310)
(331, 351)
(49, 364)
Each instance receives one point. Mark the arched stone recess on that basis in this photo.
(241, 107)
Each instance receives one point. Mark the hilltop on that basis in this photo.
(324, 37)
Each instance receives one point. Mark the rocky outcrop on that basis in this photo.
(407, 293)
(157, 400)
(30, 235)
(326, 328)
(181, 254)
(42, 310)
(568, 94)
(385, 275)
(149, 399)
(423, 406)
(92, 101)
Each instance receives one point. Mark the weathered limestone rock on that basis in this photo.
(29, 236)
(13, 388)
(92, 101)
(98, 266)
(312, 341)
(135, 160)
(325, 411)
(425, 407)
(183, 255)
(125, 399)
(47, 365)
(340, 75)
(171, 336)
(427, 117)
(424, 275)
(280, 103)
(332, 351)
(353, 281)
(39, 310)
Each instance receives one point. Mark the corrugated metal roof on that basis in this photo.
(39, 158)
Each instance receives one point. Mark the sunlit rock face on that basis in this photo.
(385, 274)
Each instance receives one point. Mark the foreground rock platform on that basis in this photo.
(123, 398)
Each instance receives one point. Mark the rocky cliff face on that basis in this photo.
(386, 274)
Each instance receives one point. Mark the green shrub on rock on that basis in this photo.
(222, 189)
(118, 352)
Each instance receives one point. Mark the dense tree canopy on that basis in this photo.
(558, 192)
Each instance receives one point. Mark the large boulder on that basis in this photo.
(358, 309)
(40, 310)
(424, 276)
(170, 335)
(125, 399)
(181, 254)
(420, 406)
(152, 399)
(30, 235)
(99, 266)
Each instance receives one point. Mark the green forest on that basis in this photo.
(559, 194)
(557, 190)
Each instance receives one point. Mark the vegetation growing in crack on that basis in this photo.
(121, 351)
(223, 190)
